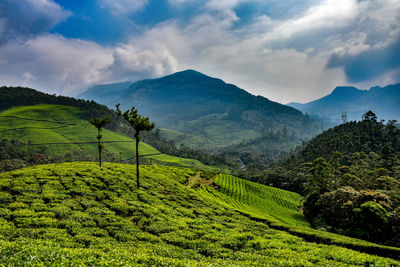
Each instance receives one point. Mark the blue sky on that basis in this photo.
(285, 50)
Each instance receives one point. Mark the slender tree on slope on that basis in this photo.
(99, 124)
(139, 124)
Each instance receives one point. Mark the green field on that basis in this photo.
(61, 124)
(279, 209)
(258, 199)
(79, 214)
(210, 132)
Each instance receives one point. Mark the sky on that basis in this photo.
(284, 50)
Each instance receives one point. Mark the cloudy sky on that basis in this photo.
(284, 50)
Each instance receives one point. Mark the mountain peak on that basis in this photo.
(187, 73)
(384, 102)
(344, 90)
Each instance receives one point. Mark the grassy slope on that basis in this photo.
(258, 199)
(210, 132)
(80, 214)
(279, 209)
(62, 124)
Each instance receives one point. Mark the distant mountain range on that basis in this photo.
(384, 102)
(206, 112)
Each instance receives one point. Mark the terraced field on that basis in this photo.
(280, 210)
(78, 214)
(258, 199)
(41, 124)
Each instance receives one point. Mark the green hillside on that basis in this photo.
(258, 199)
(350, 178)
(60, 124)
(207, 113)
(80, 214)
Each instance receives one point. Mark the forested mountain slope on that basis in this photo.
(351, 179)
(207, 112)
(368, 135)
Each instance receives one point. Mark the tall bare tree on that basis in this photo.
(99, 124)
(139, 124)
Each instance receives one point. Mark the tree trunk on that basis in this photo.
(99, 148)
(137, 162)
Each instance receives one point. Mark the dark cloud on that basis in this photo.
(28, 18)
(369, 64)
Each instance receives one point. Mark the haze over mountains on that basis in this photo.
(202, 111)
(384, 102)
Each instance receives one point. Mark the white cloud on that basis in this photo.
(49, 8)
(223, 4)
(54, 63)
(130, 61)
(28, 77)
(124, 7)
(329, 14)
(284, 60)
(28, 18)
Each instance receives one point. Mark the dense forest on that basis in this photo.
(350, 178)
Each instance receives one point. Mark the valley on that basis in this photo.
(188, 212)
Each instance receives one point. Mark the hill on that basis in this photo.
(80, 214)
(206, 112)
(61, 129)
(385, 102)
(350, 176)
(22, 99)
(366, 136)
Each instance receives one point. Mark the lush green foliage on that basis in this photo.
(80, 214)
(62, 124)
(354, 188)
(279, 209)
(364, 136)
(19, 97)
(359, 200)
(258, 199)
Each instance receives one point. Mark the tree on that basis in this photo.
(139, 124)
(320, 176)
(99, 124)
(369, 116)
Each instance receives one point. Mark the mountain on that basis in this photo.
(29, 118)
(78, 214)
(385, 102)
(107, 92)
(206, 112)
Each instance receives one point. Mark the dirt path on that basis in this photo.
(197, 179)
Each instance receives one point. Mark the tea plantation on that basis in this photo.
(258, 199)
(80, 214)
(60, 124)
